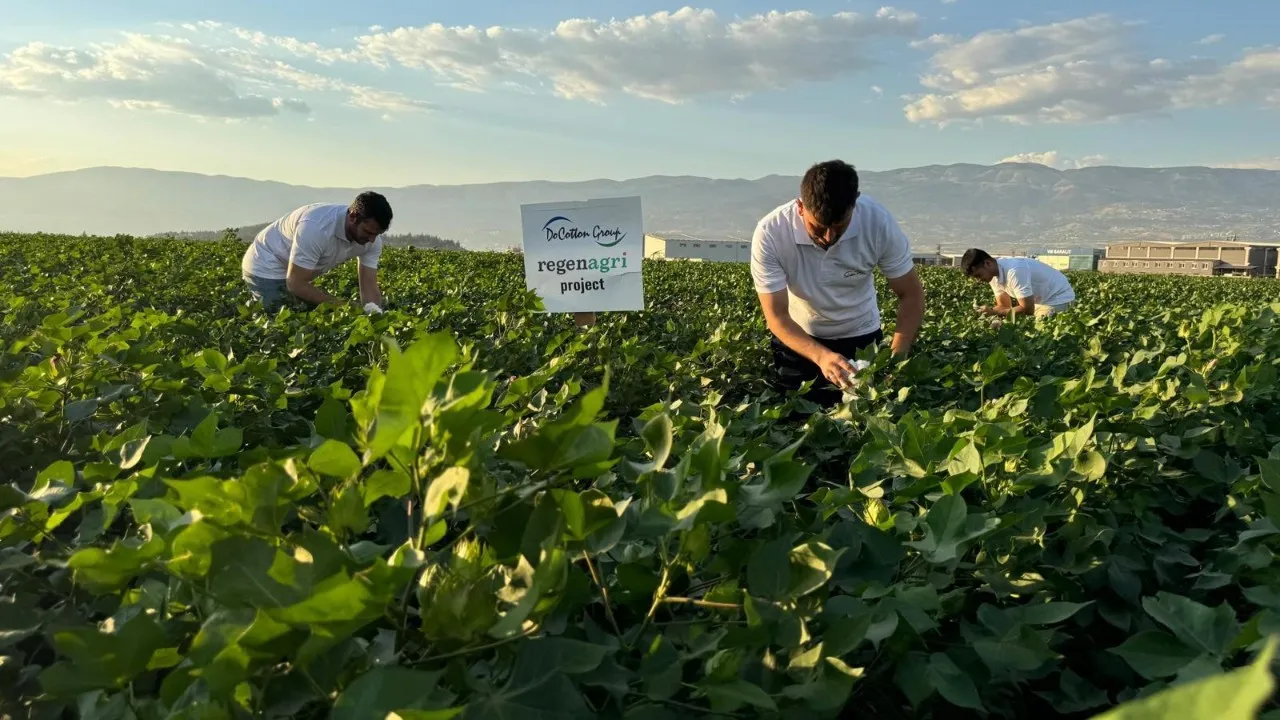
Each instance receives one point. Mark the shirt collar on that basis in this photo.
(802, 235)
(342, 228)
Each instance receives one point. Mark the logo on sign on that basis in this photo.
(562, 228)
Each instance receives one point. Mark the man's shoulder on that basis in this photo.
(778, 222)
(782, 216)
(320, 211)
(873, 213)
(875, 222)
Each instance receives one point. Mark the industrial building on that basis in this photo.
(678, 246)
(1212, 257)
(935, 259)
(1070, 259)
(686, 247)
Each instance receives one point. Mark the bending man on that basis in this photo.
(287, 256)
(812, 262)
(1037, 288)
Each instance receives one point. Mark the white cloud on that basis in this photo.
(1054, 159)
(143, 72)
(181, 76)
(667, 56)
(1078, 71)
(1211, 39)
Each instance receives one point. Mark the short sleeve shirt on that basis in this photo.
(1027, 277)
(313, 237)
(830, 293)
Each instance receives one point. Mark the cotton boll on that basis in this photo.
(858, 366)
(372, 309)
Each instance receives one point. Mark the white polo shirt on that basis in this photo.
(313, 237)
(830, 293)
(1023, 277)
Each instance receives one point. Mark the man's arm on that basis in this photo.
(1022, 290)
(301, 282)
(776, 316)
(1003, 305)
(369, 290)
(910, 292)
(1026, 306)
(304, 260)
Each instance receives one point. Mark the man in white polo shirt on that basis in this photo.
(1038, 289)
(812, 262)
(287, 256)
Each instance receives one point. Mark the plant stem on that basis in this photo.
(478, 648)
(702, 603)
(604, 593)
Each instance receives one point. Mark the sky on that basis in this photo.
(400, 92)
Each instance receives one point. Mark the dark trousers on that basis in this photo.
(791, 369)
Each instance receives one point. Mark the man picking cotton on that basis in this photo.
(1024, 286)
(812, 262)
(287, 256)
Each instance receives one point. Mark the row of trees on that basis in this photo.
(247, 233)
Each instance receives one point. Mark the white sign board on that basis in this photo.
(585, 256)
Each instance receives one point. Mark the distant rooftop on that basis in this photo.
(1203, 242)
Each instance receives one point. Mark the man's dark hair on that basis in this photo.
(828, 190)
(370, 204)
(972, 258)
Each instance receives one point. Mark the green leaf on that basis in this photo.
(947, 526)
(769, 569)
(1049, 613)
(728, 697)
(386, 483)
(812, 565)
(98, 660)
(107, 570)
(447, 489)
(61, 471)
(232, 644)
(657, 436)
(967, 460)
(406, 714)
(411, 375)
(383, 690)
(575, 514)
(1155, 654)
(952, 683)
(1092, 465)
(1207, 629)
(19, 618)
(132, 452)
(535, 690)
(1237, 695)
(80, 410)
(335, 459)
(331, 420)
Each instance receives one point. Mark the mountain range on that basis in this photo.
(1003, 206)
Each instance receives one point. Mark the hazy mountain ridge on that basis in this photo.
(952, 205)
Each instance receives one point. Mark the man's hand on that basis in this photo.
(987, 310)
(835, 368)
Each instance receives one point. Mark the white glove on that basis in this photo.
(372, 309)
